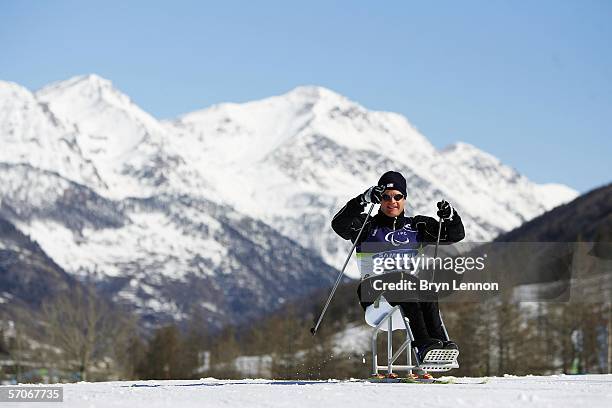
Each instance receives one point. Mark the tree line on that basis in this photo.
(76, 335)
(94, 343)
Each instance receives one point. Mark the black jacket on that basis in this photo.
(348, 221)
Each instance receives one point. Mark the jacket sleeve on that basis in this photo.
(452, 231)
(348, 221)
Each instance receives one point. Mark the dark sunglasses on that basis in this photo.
(396, 197)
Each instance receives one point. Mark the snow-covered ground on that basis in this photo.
(532, 391)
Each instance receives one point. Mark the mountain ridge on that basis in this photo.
(282, 165)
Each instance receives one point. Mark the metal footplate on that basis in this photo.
(440, 360)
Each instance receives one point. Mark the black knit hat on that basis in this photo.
(392, 180)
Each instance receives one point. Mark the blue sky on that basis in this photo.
(528, 81)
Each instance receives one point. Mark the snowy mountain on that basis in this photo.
(164, 256)
(28, 274)
(126, 145)
(588, 218)
(226, 209)
(32, 134)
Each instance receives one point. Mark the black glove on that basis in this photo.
(373, 194)
(445, 210)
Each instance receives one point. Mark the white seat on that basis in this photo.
(378, 310)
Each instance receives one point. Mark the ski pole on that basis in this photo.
(314, 329)
(440, 221)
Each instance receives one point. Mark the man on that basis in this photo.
(391, 232)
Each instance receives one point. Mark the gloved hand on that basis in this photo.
(373, 194)
(445, 210)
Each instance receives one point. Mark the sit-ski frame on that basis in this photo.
(443, 365)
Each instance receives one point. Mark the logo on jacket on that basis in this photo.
(398, 237)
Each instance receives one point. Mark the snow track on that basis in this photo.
(532, 391)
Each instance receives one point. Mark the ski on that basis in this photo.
(213, 382)
(440, 380)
